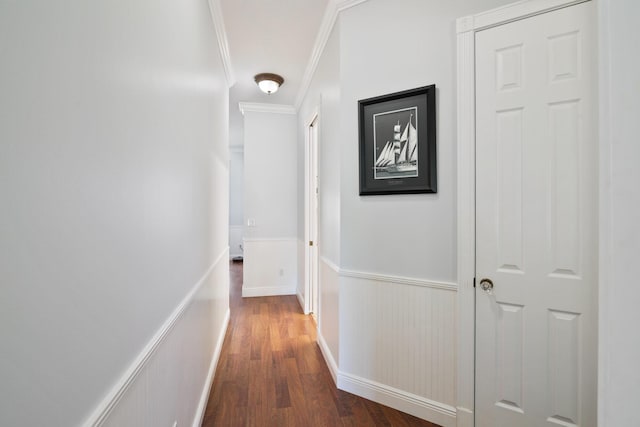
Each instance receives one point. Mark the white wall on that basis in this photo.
(236, 186)
(270, 201)
(270, 174)
(416, 233)
(619, 343)
(236, 200)
(323, 97)
(398, 253)
(114, 187)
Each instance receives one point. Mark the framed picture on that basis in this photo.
(398, 143)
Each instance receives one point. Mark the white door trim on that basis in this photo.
(509, 13)
(466, 29)
(307, 214)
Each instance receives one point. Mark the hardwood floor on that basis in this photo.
(271, 372)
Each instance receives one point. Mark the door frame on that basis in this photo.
(308, 253)
(466, 29)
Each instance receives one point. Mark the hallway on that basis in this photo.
(271, 372)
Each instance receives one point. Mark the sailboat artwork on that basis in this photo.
(398, 156)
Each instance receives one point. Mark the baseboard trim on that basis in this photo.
(202, 405)
(420, 407)
(465, 417)
(113, 397)
(328, 358)
(301, 301)
(250, 292)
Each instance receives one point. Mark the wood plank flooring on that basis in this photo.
(271, 372)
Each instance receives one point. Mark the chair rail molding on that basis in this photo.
(330, 263)
(400, 280)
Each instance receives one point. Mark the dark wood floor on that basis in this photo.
(271, 372)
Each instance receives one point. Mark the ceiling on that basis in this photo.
(268, 36)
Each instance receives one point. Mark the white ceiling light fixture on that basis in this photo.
(268, 82)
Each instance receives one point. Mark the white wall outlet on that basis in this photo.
(251, 222)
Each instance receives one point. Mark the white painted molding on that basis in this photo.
(326, 26)
(270, 239)
(346, 4)
(464, 417)
(114, 396)
(258, 107)
(330, 264)
(466, 244)
(334, 7)
(315, 114)
(433, 411)
(511, 12)
(223, 43)
(251, 291)
(202, 405)
(464, 24)
(400, 280)
(328, 358)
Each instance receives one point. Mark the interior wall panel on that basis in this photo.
(399, 335)
(176, 374)
(270, 267)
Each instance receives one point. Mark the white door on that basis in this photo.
(312, 210)
(536, 207)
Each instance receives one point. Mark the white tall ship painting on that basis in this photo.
(398, 157)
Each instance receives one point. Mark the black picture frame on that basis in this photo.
(397, 148)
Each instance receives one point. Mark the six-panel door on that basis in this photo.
(536, 201)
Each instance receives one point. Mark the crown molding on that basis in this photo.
(257, 107)
(334, 7)
(223, 43)
(346, 4)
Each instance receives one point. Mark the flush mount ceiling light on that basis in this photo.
(268, 82)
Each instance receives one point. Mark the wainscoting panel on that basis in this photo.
(300, 289)
(236, 235)
(170, 380)
(328, 332)
(270, 267)
(398, 343)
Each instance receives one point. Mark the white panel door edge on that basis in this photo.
(311, 253)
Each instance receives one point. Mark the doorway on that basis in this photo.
(311, 217)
